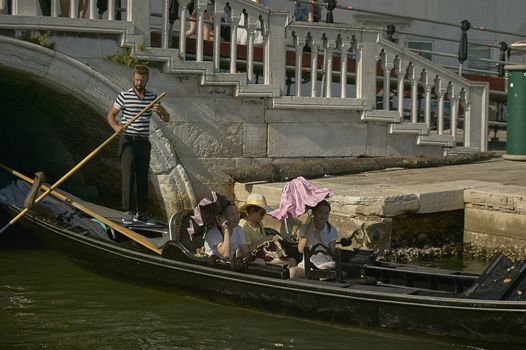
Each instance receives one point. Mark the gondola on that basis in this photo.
(361, 291)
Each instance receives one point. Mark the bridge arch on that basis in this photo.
(41, 73)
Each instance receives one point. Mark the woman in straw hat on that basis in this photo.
(255, 209)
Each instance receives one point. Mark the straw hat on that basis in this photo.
(256, 199)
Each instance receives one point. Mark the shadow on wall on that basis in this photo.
(47, 129)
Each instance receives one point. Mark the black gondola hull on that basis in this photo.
(474, 320)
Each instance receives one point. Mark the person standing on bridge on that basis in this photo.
(134, 146)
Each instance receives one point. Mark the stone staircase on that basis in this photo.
(334, 112)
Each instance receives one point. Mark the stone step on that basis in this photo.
(377, 199)
(192, 67)
(463, 150)
(436, 140)
(257, 90)
(224, 79)
(310, 103)
(408, 128)
(157, 54)
(381, 115)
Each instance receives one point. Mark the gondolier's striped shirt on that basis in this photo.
(130, 104)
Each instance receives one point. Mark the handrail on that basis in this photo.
(420, 19)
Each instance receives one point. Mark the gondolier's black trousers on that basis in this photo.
(135, 161)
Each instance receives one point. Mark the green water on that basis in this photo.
(47, 302)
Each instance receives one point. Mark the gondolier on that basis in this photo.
(134, 145)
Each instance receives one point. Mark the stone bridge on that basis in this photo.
(285, 91)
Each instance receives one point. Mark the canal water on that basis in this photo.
(47, 302)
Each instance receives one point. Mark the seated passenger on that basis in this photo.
(255, 209)
(319, 230)
(208, 30)
(223, 239)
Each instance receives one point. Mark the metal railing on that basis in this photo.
(502, 46)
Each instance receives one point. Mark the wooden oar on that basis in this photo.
(125, 231)
(82, 162)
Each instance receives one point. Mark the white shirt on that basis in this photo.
(326, 235)
(213, 238)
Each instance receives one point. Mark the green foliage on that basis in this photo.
(38, 39)
(125, 57)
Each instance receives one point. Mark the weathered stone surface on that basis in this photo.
(254, 140)
(237, 110)
(404, 145)
(499, 197)
(495, 223)
(162, 153)
(191, 110)
(215, 91)
(443, 196)
(316, 139)
(207, 174)
(376, 139)
(302, 116)
(86, 47)
(202, 140)
(386, 202)
(489, 241)
(176, 85)
(272, 193)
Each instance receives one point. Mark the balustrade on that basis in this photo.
(346, 56)
(335, 44)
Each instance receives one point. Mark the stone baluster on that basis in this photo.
(454, 97)
(234, 21)
(400, 70)
(92, 9)
(165, 24)
(366, 73)
(413, 78)
(251, 30)
(324, 68)
(73, 8)
(182, 28)
(200, 12)
(218, 13)
(440, 90)
(428, 87)
(345, 47)
(54, 8)
(330, 45)
(298, 44)
(466, 103)
(275, 49)
(314, 50)
(387, 66)
(135, 13)
(111, 10)
(265, 36)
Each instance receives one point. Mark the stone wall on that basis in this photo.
(211, 128)
(495, 217)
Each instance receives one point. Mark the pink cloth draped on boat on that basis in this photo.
(297, 196)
